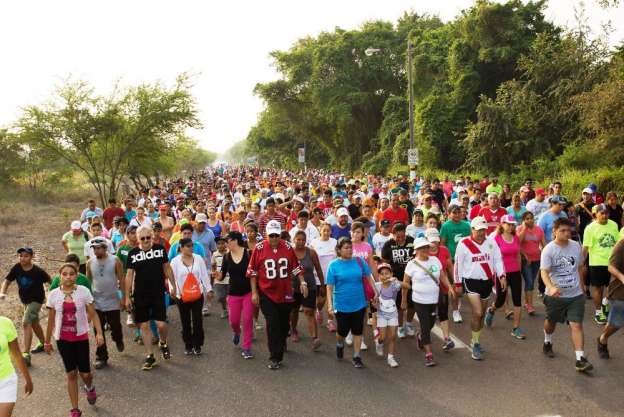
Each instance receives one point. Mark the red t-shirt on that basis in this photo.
(493, 217)
(327, 208)
(474, 211)
(443, 256)
(110, 214)
(273, 268)
(396, 216)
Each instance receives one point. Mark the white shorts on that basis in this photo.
(8, 389)
(387, 322)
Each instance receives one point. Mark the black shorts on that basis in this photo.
(307, 302)
(350, 322)
(410, 302)
(149, 308)
(599, 276)
(480, 287)
(75, 355)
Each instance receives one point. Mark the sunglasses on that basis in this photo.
(273, 236)
(145, 238)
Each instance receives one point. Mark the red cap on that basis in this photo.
(540, 191)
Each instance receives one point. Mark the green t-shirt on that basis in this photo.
(122, 254)
(600, 240)
(8, 333)
(76, 245)
(81, 280)
(498, 189)
(452, 233)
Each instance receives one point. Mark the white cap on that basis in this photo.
(432, 234)
(478, 223)
(421, 242)
(587, 190)
(201, 218)
(298, 199)
(342, 212)
(76, 225)
(273, 228)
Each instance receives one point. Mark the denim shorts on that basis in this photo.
(529, 274)
(616, 313)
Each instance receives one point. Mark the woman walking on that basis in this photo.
(325, 247)
(10, 351)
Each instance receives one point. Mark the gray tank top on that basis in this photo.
(104, 284)
(308, 272)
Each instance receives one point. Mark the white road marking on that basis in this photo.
(437, 331)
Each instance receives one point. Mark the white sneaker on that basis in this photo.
(130, 322)
(457, 318)
(205, 312)
(349, 339)
(379, 348)
(363, 346)
(410, 330)
(392, 362)
(401, 332)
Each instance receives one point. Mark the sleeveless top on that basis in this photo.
(105, 285)
(308, 272)
(216, 229)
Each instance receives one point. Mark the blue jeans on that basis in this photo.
(529, 273)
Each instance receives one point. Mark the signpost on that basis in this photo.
(413, 160)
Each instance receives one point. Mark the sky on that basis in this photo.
(225, 45)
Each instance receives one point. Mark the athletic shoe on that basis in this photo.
(27, 358)
(410, 330)
(150, 362)
(548, 350)
(224, 314)
(74, 412)
(603, 350)
(331, 326)
(530, 309)
(518, 333)
(509, 315)
(130, 321)
(38, 348)
(205, 312)
(236, 339)
(489, 318)
(583, 365)
(120, 346)
(91, 395)
(448, 344)
(363, 346)
(339, 351)
(419, 344)
(246, 354)
(477, 352)
(274, 365)
(429, 360)
(392, 362)
(605, 307)
(379, 348)
(106, 327)
(100, 364)
(164, 349)
(197, 351)
(188, 351)
(457, 318)
(294, 336)
(316, 344)
(357, 362)
(349, 339)
(600, 318)
(401, 332)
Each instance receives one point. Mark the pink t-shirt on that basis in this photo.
(530, 243)
(362, 250)
(510, 252)
(69, 327)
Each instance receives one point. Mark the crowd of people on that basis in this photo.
(359, 256)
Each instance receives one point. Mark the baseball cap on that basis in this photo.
(298, 200)
(89, 214)
(26, 249)
(201, 218)
(383, 266)
(587, 190)
(421, 242)
(76, 225)
(599, 208)
(273, 227)
(540, 191)
(184, 221)
(342, 212)
(98, 242)
(432, 234)
(384, 222)
(558, 199)
(478, 223)
(509, 219)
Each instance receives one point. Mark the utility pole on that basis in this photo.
(412, 154)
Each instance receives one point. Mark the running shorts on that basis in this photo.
(480, 287)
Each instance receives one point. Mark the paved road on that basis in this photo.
(514, 380)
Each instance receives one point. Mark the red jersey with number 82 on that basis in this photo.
(273, 268)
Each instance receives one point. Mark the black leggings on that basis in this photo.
(443, 306)
(514, 282)
(426, 316)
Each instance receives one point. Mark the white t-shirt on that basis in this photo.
(145, 222)
(180, 272)
(379, 241)
(326, 251)
(311, 233)
(424, 289)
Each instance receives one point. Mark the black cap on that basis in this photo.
(27, 249)
(398, 226)
(385, 222)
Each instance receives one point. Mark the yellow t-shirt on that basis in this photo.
(7, 334)
(600, 240)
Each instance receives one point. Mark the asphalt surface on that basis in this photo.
(515, 379)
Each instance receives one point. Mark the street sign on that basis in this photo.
(412, 157)
(301, 154)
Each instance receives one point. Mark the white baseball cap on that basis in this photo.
(76, 225)
(421, 242)
(587, 190)
(432, 234)
(273, 228)
(201, 218)
(478, 223)
(342, 212)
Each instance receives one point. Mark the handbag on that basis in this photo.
(369, 292)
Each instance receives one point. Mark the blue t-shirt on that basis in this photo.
(198, 249)
(337, 232)
(546, 222)
(207, 240)
(346, 277)
(130, 215)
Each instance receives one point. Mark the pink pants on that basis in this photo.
(238, 304)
